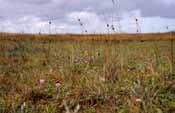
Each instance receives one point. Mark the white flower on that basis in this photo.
(41, 81)
(102, 79)
(139, 100)
(23, 105)
(58, 85)
(51, 70)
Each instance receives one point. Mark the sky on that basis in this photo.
(87, 16)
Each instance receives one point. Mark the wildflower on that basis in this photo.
(23, 106)
(139, 100)
(51, 70)
(102, 79)
(42, 81)
(57, 84)
(86, 62)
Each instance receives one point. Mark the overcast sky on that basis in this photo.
(33, 15)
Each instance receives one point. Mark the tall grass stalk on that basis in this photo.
(172, 55)
(117, 7)
(157, 56)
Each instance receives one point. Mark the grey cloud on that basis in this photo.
(156, 8)
(30, 1)
(58, 8)
(14, 10)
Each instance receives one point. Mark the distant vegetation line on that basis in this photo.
(90, 37)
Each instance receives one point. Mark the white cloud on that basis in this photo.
(168, 1)
(33, 15)
(92, 23)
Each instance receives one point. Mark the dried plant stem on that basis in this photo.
(120, 56)
(172, 56)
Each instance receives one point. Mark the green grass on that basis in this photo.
(95, 77)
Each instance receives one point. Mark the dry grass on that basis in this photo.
(86, 74)
(91, 37)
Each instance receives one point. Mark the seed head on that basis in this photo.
(107, 25)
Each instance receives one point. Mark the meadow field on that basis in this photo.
(127, 73)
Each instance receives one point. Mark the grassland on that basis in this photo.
(87, 74)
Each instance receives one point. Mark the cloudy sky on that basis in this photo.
(33, 16)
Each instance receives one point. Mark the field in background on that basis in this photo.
(87, 73)
(90, 37)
